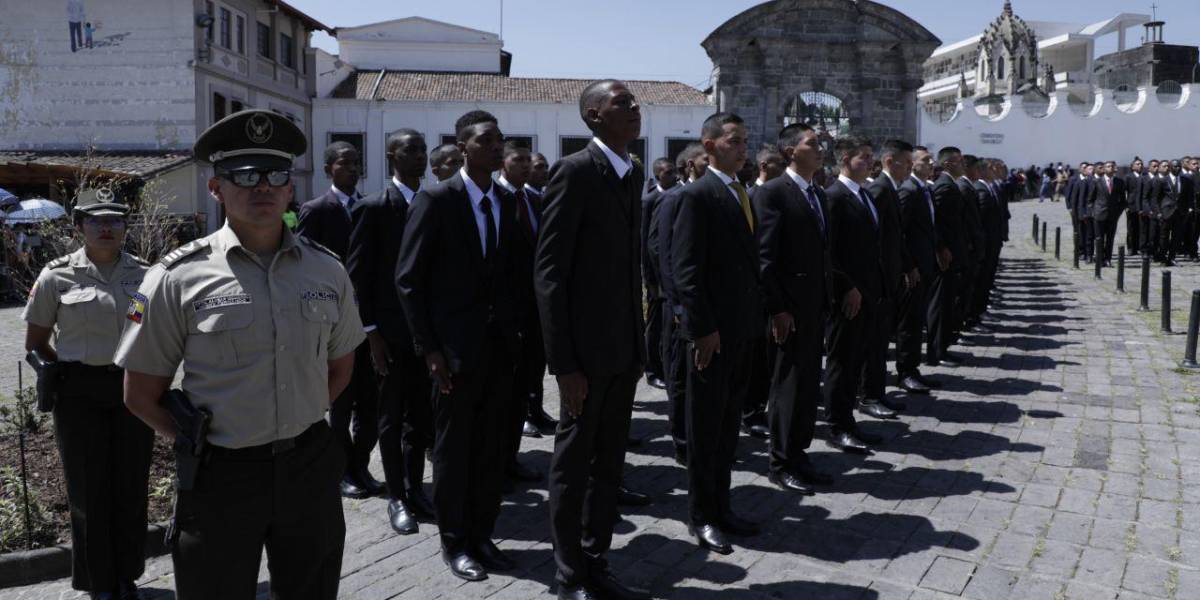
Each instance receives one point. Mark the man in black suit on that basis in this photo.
(972, 225)
(405, 415)
(715, 261)
(354, 416)
(589, 226)
(445, 161)
(665, 178)
(528, 416)
(1080, 197)
(918, 226)
(1134, 186)
(991, 218)
(793, 258)
(455, 278)
(1106, 210)
(674, 346)
(900, 275)
(944, 317)
(1178, 194)
(859, 287)
(771, 165)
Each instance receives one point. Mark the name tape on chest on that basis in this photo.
(220, 301)
(137, 308)
(323, 295)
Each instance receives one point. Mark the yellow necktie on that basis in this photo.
(744, 200)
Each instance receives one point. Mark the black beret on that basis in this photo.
(252, 138)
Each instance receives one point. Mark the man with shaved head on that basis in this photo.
(590, 225)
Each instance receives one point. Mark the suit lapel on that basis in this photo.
(724, 198)
(466, 217)
(609, 176)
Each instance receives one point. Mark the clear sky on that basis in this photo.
(660, 39)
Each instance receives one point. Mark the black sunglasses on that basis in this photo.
(249, 178)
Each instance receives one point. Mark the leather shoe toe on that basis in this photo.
(464, 567)
(403, 522)
(576, 592)
(846, 442)
(656, 382)
(352, 489)
(628, 497)
(530, 430)
(708, 536)
(790, 483)
(874, 408)
(911, 385)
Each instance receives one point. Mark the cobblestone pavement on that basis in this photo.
(1059, 462)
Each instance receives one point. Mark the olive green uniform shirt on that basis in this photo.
(85, 309)
(254, 338)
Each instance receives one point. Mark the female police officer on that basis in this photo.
(80, 300)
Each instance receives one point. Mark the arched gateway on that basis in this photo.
(865, 55)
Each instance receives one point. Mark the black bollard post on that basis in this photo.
(1189, 353)
(1144, 294)
(1058, 243)
(1035, 228)
(1166, 302)
(1043, 236)
(1121, 268)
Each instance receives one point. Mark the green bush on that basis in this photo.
(22, 415)
(13, 534)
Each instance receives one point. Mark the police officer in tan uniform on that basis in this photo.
(265, 326)
(79, 300)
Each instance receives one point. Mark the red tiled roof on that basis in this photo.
(494, 87)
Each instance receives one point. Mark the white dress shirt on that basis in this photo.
(620, 165)
(405, 191)
(728, 185)
(803, 184)
(343, 198)
(525, 206)
(476, 195)
(856, 190)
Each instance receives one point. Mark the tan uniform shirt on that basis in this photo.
(255, 339)
(85, 309)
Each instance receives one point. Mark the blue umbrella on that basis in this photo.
(7, 199)
(35, 211)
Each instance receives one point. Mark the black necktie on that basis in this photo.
(350, 201)
(816, 208)
(867, 204)
(489, 242)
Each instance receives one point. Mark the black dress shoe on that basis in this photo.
(790, 483)
(912, 385)
(530, 430)
(809, 474)
(927, 382)
(894, 405)
(102, 596)
(757, 430)
(681, 455)
(628, 497)
(521, 472)
(420, 506)
(846, 442)
(656, 382)
(403, 522)
(542, 420)
(128, 590)
(576, 592)
(739, 526)
(607, 586)
(369, 483)
(353, 489)
(946, 362)
(708, 536)
(873, 408)
(491, 557)
(463, 566)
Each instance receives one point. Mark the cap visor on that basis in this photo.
(254, 161)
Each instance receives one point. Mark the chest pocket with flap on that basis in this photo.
(215, 332)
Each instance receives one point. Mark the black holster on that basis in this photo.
(49, 373)
(191, 445)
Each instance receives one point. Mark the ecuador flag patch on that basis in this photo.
(137, 308)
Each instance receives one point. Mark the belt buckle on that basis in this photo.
(280, 446)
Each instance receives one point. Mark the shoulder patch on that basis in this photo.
(318, 247)
(59, 262)
(181, 252)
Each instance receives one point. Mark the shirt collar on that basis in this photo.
(473, 190)
(800, 180)
(506, 185)
(758, 182)
(620, 165)
(405, 191)
(226, 239)
(725, 178)
(850, 183)
(342, 196)
(920, 182)
(895, 186)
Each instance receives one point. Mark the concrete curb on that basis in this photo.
(35, 566)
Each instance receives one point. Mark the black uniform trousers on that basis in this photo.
(986, 281)
(1133, 230)
(585, 472)
(967, 280)
(654, 331)
(1102, 238)
(849, 349)
(354, 416)
(874, 382)
(468, 458)
(943, 313)
(527, 389)
(405, 420)
(675, 363)
(244, 499)
(911, 316)
(758, 388)
(795, 394)
(105, 453)
(714, 411)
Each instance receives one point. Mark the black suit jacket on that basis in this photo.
(1104, 205)
(1174, 198)
(1152, 193)
(650, 203)
(971, 222)
(793, 253)
(1081, 197)
(896, 259)
(588, 267)
(659, 239)
(854, 246)
(325, 221)
(948, 206)
(991, 215)
(523, 251)
(715, 259)
(378, 223)
(448, 290)
(1135, 184)
(917, 227)
(1187, 193)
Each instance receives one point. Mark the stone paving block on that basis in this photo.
(1030, 520)
(948, 575)
(1078, 501)
(1101, 567)
(1146, 576)
(1011, 550)
(1068, 527)
(1117, 506)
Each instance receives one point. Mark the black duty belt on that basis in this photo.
(269, 450)
(81, 370)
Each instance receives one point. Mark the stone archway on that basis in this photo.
(866, 55)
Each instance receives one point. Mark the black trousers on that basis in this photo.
(943, 313)
(76, 32)
(675, 361)
(249, 498)
(1133, 230)
(758, 387)
(1149, 229)
(795, 393)
(849, 349)
(985, 282)
(1087, 244)
(585, 472)
(874, 382)
(405, 421)
(1170, 232)
(468, 459)
(967, 281)
(911, 316)
(1077, 235)
(354, 416)
(654, 331)
(1111, 235)
(526, 389)
(714, 412)
(1102, 238)
(105, 453)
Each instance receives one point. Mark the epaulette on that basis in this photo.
(139, 260)
(318, 246)
(59, 262)
(181, 252)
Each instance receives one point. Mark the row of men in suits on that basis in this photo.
(1159, 201)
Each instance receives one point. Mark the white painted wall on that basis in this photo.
(1149, 129)
(421, 44)
(547, 122)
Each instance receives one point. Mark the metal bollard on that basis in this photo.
(1121, 268)
(1058, 243)
(1144, 294)
(1043, 236)
(1035, 228)
(1166, 302)
(1189, 353)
